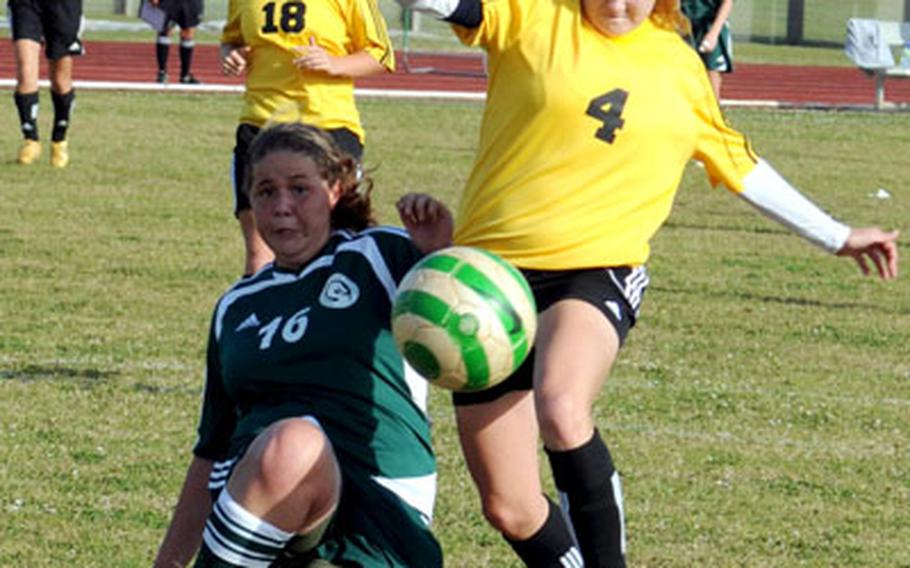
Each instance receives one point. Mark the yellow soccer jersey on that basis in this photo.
(585, 138)
(278, 90)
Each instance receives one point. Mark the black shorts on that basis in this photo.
(56, 23)
(616, 292)
(184, 13)
(344, 138)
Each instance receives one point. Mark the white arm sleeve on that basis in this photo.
(770, 193)
(439, 9)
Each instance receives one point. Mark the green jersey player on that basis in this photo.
(314, 441)
(711, 36)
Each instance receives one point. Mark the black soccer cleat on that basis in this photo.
(162, 77)
(189, 79)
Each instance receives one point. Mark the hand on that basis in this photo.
(876, 245)
(708, 43)
(315, 58)
(233, 59)
(428, 221)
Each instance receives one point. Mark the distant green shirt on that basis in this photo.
(700, 10)
(701, 14)
(318, 342)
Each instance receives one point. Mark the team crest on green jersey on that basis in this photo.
(339, 292)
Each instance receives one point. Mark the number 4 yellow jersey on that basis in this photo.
(585, 138)
(278, 90)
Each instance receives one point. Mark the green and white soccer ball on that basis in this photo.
(464, 318)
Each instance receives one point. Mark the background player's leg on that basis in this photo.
(28, 53)
(258, 254)
(162, 50)
(187, 47)
(63, 96)
(26, 97)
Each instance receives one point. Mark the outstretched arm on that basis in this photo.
(428, 221)
(184, 535)
(770, 193)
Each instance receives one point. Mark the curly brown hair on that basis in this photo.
(354, 209)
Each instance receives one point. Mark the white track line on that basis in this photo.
(397, 93)
(216, 88)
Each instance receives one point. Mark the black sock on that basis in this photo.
(587, 476)
(63, 106)
(162, 48)
(551, 546)
(186, 56)
(27, 105)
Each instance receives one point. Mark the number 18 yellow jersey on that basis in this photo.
(278, 90)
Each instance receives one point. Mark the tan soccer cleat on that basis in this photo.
(29, 151)
(60, 155)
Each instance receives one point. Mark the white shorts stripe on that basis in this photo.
(572, 559)
(617, 495)
(632, 286)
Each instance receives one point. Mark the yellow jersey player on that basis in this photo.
(594, 108)
(300, 61)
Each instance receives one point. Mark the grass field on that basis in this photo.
(759, 413)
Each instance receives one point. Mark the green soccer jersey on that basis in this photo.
(700, 10)
(318, 342)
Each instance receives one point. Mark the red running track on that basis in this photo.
(786, 84)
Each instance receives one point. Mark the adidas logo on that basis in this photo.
(250, 321)
(614, 307)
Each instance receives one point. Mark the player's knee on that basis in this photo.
(513, 517)
(293, 450)
(565, 420)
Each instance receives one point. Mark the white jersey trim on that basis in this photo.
(439, 9)
(244, 289)
(361, 243)
(770, 193)
(368, 248)
(418, 492)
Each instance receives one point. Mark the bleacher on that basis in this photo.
(881, 49)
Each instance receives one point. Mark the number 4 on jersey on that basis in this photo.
(607, 108)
